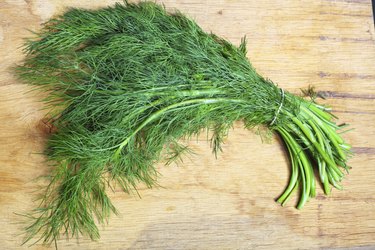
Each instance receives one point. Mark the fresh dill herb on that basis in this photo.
(127, 83)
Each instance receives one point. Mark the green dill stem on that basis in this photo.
(156, 115)
(333, 136)
(294, 174)
(303, 165)
(333, 179)
(312, 139)
(323, 176)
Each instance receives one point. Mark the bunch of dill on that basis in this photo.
(127, 82)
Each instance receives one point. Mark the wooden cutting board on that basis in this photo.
(224, 203)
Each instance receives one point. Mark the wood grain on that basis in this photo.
(224, 203)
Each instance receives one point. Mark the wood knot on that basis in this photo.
(46, 126)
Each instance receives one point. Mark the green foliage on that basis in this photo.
(127, 83)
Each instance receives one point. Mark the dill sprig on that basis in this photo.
(127, 83)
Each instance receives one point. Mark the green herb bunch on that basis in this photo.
(127, 83)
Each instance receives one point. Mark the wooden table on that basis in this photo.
(224, 203)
